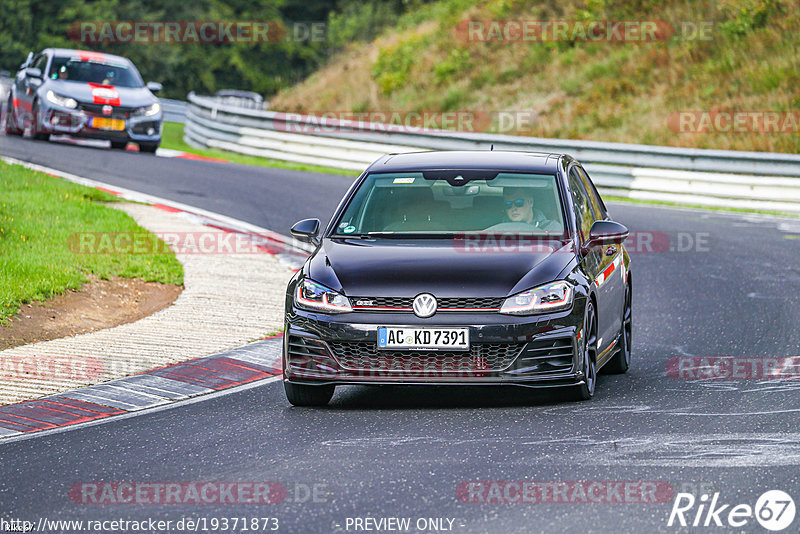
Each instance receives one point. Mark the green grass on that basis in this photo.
(172, 138)
(723, 56)
(39, 216)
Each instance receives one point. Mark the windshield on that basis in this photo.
(451, 202)
(76, 70)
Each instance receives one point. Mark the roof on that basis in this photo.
(467, 159)
(70, 52)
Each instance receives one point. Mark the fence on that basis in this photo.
(174, 110)
(753, 180)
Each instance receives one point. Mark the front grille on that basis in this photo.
(118, 112)
(382, 302)
(546, 356)
(482, 357)
(443, 304)
(303, 346)
(471, 303)
(309, 358)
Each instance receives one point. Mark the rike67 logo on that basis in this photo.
(774, 510)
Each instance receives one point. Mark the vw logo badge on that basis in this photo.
(107, 110)
(424, 305)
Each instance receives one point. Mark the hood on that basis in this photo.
(445, 268)
(133, 97)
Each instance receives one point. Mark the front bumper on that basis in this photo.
(536, 351)
(76, 123)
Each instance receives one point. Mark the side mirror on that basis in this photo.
(154, 87)
(306, 231)
(606, 233)
(33, 72)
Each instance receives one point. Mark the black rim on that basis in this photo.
(589, 352)
(626, 323)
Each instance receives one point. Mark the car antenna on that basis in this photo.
(491, 148)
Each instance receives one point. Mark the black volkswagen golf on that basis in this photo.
(479, 267)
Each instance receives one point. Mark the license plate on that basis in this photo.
(107, 124)
(392, 337)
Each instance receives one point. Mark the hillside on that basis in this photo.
(707, 61)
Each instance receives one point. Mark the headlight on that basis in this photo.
(63, 101)
(149, 110)
(314, 296)
(549, 297)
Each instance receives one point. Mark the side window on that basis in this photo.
(594, 199)
(582, 205)
(40, 63)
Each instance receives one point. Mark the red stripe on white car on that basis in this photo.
(91, 56)
(104, 94)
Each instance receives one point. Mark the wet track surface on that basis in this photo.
(730, 287)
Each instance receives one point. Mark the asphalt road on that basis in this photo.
(271, 198)
(404, 452)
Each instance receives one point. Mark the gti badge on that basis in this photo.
(424, 305)
(107, 110)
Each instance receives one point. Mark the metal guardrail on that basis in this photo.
(753, 180)
(5, 84)
(174, 110)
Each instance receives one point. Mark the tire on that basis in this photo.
(119, 145)
(149, 148)
(11, 125)
(585, 391)
(305, 395)
(621, 361)
(36, 129)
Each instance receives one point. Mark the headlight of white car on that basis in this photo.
(148, 111)
(314, 296)
(554, 296)
(63, 101)
(152, 110)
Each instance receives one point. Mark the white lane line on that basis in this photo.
(5, 432)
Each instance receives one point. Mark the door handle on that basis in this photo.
(610, 251)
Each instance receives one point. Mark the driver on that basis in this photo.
(518, 206)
